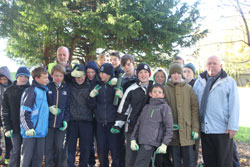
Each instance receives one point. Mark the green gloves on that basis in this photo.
(176, 127)
(134, 146)
(115, 129)
(195, 135)
(9, 133)
(113, 82)
(119, 92)
(162, 149)
(64, 127)
(54, 110)
(76, 74)
(95, 91)
(30, 132)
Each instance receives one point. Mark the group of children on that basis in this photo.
(156, 116)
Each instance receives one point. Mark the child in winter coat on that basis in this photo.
(132, 103)
(102, 97)
(34, 116)
(5, 81)
(154, 128)
(11, 113)
(115, 60)
(58, 100)
(183, 102)
(160, 76)
(81, 124)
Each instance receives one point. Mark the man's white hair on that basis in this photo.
(217, 57)
(62, 47)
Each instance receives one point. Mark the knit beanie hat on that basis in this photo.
(23, 71)
(92, 64)
(143, 66)
(107, 68)
(175, 68)
(191, 66)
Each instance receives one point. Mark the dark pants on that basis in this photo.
(163, 160)
(236, 161)
(15, 152)
(32, 152)
(92, 152)
(144, 156)
(107, 141)
(183, 154)
(8, 147)
(130, 154)
(196, 151)
(217, 150)
(84, 131)
(55, 155)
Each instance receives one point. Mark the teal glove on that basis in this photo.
(119, 92)
(30, 132)
(176, 127)
(76, 74)
(64, 127)
(134, 146)
(195, 135)
(115, 129)
(162, 149)
(113, 82)
(9, 133)
(54, 110)
(95, 91)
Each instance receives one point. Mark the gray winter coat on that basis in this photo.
(155, 124)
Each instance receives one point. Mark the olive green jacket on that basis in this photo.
(185, 111)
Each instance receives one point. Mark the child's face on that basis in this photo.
(188, 74)
(57, 77)
(22, 80)
(43, 79)
(80, 80)
(160, 77)
(104, 77)
(143, 76)
(114, 61)
(157, 92)
(103, 60)
(176, 77)
(3, 80)
(91, 73)
(129, 68)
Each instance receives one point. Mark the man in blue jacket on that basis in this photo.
(219, 113)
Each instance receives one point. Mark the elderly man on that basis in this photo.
(219, 113)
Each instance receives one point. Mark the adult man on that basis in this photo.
(219, 113)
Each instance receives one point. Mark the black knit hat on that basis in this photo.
(143, 66)
(175, 68)
(107, 68)
(92, 64)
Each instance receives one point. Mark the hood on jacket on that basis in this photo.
(4, 71)
(164, 71)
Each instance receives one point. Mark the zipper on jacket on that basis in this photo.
(57, 97)
(152, 113)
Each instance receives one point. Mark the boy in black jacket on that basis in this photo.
(101, 98)
(11, 113)
(154, 128)
(81, 118)
(58, 100)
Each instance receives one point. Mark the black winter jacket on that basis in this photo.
(59, 97)
(105, 111)
(155, 124)
(79, 109)
(132, 103)
(11, 107)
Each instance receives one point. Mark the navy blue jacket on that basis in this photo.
(103, 103)
(59, 97)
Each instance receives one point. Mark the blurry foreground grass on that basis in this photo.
(243, 135)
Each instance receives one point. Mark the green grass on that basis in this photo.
(243, 134)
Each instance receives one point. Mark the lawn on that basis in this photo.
(243, 135)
